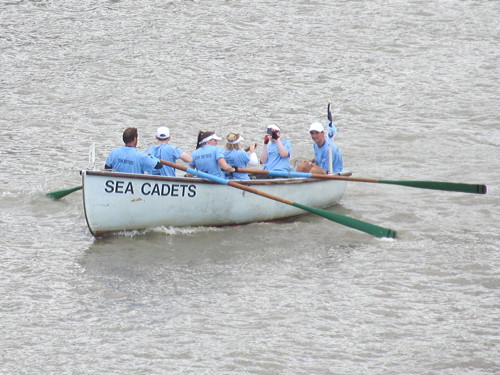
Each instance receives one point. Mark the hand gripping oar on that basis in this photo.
(434, 185)
(344, 220)
(62, 193)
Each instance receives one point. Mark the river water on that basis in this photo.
(414, 87)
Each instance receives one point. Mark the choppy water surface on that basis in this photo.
(415, 91)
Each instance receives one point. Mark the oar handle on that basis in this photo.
(305, 175)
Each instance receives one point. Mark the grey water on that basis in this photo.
(414, 87)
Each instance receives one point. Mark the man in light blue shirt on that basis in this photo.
(128, 159)
(321, 162)
(167, 152)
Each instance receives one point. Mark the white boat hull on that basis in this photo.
(121, 201)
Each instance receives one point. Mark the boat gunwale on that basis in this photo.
(271, 181)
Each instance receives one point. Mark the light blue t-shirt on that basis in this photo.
(206, 158)
(322, 159)
(166, 152)
(237, 158)
(274, 160)
(128, 159)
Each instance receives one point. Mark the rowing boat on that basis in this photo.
(115, 202)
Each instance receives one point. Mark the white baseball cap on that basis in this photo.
(162, 132)
(316, 126)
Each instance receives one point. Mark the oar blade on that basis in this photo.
(62, 193)
(362, 226)
(438, 185)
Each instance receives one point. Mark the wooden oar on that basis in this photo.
(344, 220)
(62, 193)
(433, 185)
